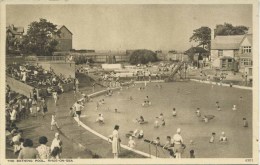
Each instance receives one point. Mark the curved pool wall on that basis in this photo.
(96, 94)
(223, 84)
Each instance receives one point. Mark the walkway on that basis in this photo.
(77, 142)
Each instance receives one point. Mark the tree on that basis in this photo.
(202, 36)
(142, 56)
(40, 38)
(229, 29)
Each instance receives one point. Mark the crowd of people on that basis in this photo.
(36, 76)
(25, 149)
(18, 108)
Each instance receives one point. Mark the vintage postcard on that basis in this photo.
(129, 82)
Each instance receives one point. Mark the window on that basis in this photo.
(246, 62)
(220, 53)
(246, 49)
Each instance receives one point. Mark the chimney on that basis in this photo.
(212, 33)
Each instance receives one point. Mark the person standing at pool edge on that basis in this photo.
(115, 142)
(178, 143)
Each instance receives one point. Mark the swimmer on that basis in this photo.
(217, 104)
(156, 123)
(198, 112)
(131, 142)
(174, 113)
(97, 105)
(161, 116)
(163, 122)
(156, 141)
(141, 120)
(141, 134)
(212, 138)
(223, 137)
(102, 101)
(206, 118)
(192, 155)
(135, 133)
(245, 122)
(234, 107)
(219, 109)
(100, 119)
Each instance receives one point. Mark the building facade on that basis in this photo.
(64, 39)
(236, 49)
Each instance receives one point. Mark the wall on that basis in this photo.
(111, 66)
(213, 54)
(245, 43)
(64, 44)
(215, 61)
(12, 59)
(228, 53)
(67, 69)
(65, 40)
(45, 65)
(19, 87)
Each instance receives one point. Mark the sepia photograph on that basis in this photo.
(158, 81)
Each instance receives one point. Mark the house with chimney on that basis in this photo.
(232, 52)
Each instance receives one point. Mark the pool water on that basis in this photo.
(185, 97)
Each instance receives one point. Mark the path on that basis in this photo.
(77, 142)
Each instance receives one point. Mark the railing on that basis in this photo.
(47, 59)
(176, 68)
(51, 58)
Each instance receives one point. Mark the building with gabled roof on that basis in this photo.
(233, 50)
(14, 37)
(64, 39)
(15, 31)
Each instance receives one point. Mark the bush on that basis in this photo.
(142, 56)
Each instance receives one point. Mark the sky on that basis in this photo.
(131, 26)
